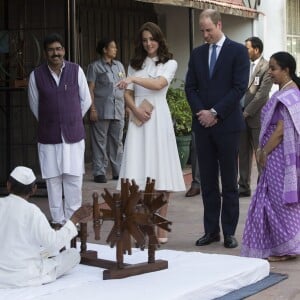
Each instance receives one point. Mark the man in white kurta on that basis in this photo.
(28, 243)
(62, 164)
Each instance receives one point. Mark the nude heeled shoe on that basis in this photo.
(163, 240)
(162, 236)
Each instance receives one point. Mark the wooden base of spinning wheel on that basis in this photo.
(115, 272)
(136, 269)
(90, 258)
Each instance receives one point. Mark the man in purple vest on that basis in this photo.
(59, 97)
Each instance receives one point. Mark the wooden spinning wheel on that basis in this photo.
(135, 215)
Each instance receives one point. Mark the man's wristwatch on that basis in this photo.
(213, 112)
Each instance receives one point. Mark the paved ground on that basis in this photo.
(186, 215)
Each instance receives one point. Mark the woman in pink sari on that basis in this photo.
(272, 228)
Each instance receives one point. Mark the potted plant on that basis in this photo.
(182, 120)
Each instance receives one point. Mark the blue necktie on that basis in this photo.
(213, 59)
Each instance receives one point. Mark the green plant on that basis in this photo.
(180, 110)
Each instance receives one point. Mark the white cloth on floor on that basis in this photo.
(190, 276)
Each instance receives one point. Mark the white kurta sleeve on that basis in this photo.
(33, 95)
(84, 92)
(50, 239)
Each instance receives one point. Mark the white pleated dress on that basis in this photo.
(150, 150)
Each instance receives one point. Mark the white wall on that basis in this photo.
(237, 28)
(174, 21)
(271, 27)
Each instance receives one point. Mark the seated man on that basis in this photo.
(28, 243)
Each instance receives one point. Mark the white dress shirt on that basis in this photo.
(253, 65)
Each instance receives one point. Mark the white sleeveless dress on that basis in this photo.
(150, 150)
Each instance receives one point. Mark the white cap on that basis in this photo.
(23, 175)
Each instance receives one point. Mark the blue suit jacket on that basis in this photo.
(224, 90)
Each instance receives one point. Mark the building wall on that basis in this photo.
(176, 30)
(271, 27)
(175, 23)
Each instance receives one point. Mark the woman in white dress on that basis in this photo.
(150, 149)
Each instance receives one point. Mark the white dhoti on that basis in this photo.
(62, 167)
(63, 263)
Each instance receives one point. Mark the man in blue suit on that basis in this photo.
(216, 80)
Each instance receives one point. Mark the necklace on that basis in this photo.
(289, 82)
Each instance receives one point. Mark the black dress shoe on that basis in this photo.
(115, 177)
(245, 194)
(230, 241)
(192, 192)
(208, 238)
(100, 179)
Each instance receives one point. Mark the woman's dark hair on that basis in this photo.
(20, 189)
(286, 61)
(52, 38)
(103, 43)
(140, 53)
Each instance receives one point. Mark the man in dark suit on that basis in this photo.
(216, 80)
(256, 96)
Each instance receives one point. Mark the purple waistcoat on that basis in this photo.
(59, 109)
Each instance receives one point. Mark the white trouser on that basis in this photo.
(71, 187)
(64, 262)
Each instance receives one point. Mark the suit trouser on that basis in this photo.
(107, 146)
(218, 152)
(248, 145)
(71, 187)
(194, 163)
